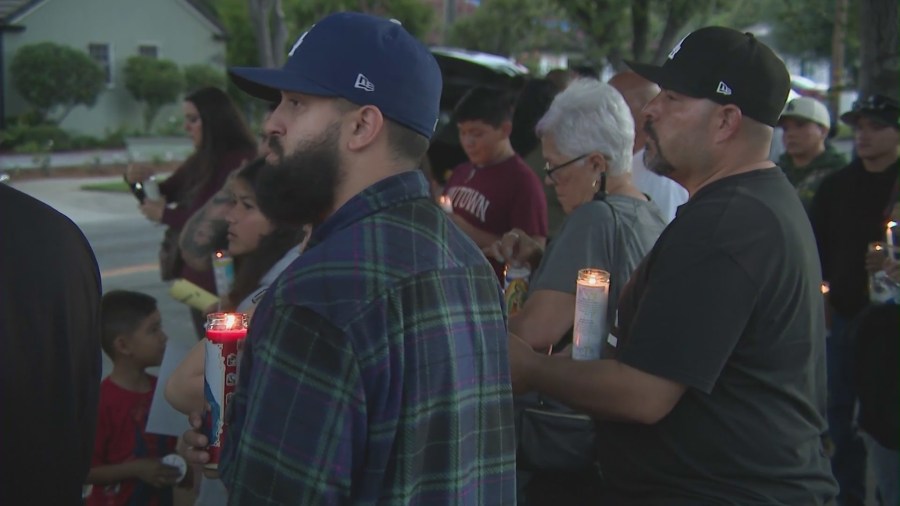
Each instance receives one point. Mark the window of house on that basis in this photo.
(102, 54)
(149, 50)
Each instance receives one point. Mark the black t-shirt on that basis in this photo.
(728, 304)
(848, 212)
(50, 346)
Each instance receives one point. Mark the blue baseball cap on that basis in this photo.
(364, 59)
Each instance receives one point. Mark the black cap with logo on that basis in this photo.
(727, 67)
(878, 107)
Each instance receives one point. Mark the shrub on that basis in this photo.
(200, 76)
(54, 79)
(154, 82)
(37, 138)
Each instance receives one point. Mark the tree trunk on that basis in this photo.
(640, 28)
(679, 14)
(838, 37)
(267, 18)
(878, 52)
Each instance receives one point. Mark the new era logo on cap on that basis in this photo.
(723, 89)
(363, 83)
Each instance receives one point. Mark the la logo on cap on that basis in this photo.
(723, 89)
(677, 48)
(299, 41)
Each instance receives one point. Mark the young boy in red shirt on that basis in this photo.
(127, 466)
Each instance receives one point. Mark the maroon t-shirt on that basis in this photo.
(498, 198)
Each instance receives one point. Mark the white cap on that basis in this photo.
(808, 109)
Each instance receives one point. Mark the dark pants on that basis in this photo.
(849, 460)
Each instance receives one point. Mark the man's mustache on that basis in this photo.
(275, 145)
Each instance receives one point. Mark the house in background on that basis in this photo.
(110, 31)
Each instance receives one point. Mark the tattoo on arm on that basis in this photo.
(205, 230)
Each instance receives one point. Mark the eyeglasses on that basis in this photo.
(551, 171)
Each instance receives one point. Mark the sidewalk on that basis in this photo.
(150, 149)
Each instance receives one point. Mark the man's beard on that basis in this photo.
(654, 159)
(300, 188)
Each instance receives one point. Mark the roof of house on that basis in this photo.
(10, 9)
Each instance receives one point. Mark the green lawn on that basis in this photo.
(110, 186)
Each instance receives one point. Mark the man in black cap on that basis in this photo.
(850, 210)
(711, 387)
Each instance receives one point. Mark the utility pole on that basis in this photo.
(838, 36)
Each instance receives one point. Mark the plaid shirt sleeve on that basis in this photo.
(296, 444)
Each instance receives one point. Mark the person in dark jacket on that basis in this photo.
(850, 210)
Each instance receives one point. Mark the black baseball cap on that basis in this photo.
(878, 107)
(727, 67)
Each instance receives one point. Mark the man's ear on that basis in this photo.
(367, 123)
(728, 120)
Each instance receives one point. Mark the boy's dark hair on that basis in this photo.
(121, 311)
(489, 105)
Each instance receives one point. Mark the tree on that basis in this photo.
(879, 58)
(416, 16)
(268, 22)
(55, 79)
(655, 25)
(154, 82)
(506, 27)
(200, 76)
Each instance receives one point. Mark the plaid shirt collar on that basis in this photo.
(409, 185)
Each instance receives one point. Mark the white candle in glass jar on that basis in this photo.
(591, 300)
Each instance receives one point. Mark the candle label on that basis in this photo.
(591, 300)
(516, 288)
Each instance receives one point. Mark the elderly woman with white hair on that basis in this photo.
(586, 139)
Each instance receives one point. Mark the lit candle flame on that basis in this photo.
(230, 321)
(825, 287)
(891, 224)
(878, 247)
(219, 254)
(592, 280)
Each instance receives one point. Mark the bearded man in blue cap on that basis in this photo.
(375, 370)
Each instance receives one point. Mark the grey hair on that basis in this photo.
(591, 116)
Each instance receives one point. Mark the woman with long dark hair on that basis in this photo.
(222, 143)
(261, 249)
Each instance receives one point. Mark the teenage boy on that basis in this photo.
(495, 191)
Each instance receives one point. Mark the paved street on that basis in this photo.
(124, 242)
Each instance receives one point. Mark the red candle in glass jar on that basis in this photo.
(225, 333)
